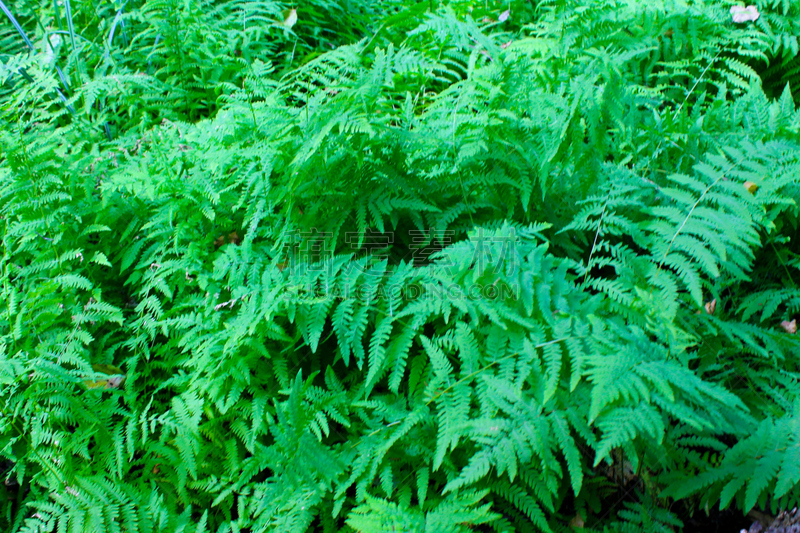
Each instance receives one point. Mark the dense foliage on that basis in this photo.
(383, 266)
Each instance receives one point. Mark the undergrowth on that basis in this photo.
(383, 266)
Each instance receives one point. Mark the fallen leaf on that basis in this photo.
(577, 522)
(112, 377)
(289, 18)
(790, 326)
(107, 369)
(750, 186)
(744, 14)
(231, 238)
(504, 16)
(711, 306)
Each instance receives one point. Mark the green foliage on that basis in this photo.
(396, 267)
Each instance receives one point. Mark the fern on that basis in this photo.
(507, 267)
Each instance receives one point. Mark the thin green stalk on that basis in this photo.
(70, 26)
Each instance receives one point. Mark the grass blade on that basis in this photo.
(63, 78)
(29, 44)
(16, 25)
(57, 14)
(70, 27)
(114, 26)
